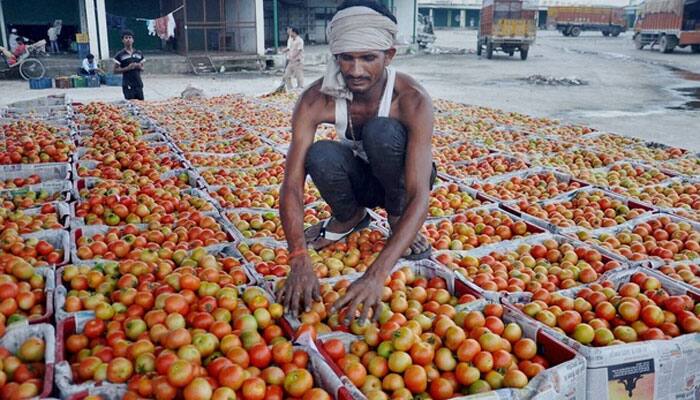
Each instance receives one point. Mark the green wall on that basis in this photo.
(135, 9)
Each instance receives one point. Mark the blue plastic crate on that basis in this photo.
(40, 83)
(93, 81)
(113, 80)
(83, 50)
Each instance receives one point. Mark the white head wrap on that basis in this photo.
(355, 29)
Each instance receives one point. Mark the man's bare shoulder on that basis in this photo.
(410, 92)
(312, 97)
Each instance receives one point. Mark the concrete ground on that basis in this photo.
(644, 94)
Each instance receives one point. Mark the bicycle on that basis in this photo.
(28, 64)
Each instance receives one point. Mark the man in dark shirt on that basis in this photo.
(129, 63)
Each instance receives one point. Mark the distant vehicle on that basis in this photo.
(573, 20)
(668, 23)
(507, 26)
(425, 34)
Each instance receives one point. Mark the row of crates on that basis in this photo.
(67, 82)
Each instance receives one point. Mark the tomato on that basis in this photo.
(75, 343)
(415, 379)
(440, 389)
(514, 378)
(483, 361)
(253, 389)
(525, 349)
(273, 375)
(298, 382)
(215, 367)
(224, 393)
(378, 366)
(356, 372)
(232, 376)
(119, 370)
(466, 374)
(274, 392)
(162, 389)
(422, 353)
(283, 352)
(260, 355)
(652, 315)
(300, 358)
(180, 373)
(316, 394)
(164, 360)
(198, 389)
(568, 320)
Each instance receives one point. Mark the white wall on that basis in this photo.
(404, 11)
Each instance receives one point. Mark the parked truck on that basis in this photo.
(572, 20)
(507, 26)
(668, 23)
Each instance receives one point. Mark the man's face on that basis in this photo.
(363, 70)
(128, 40)
(290, 32)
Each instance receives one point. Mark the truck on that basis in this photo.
(507, 26)
(425, 33)
(572, 20)
(668, 24)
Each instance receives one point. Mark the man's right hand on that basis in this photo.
(301, 288)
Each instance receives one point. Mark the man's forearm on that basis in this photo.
(292, 215)
(403, 235)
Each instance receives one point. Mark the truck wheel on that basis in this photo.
(511, 52)
(666, 44)
(616, 32)
(523, 53)
(695, 48)
(566, 31)
(478, 47)
(575, 31)
(606, 33)
(489, 50)
(638, 41)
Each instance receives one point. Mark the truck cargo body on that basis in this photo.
(507, 26)
(668, 23)
(572, 20)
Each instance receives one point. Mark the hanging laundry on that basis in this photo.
(151, 26)
(116, 22)
(165, 27)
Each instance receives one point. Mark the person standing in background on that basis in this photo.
(295, 59)
(53, 39)
(13, 39)
(129, 63)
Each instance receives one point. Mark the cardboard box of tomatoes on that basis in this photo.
(637, 329)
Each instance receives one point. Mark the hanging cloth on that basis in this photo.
(165, 27)
(151, 26)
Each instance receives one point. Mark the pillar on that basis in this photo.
(275, 25)
(91, 20)
(430, 13)
(449, 18)
(259, 27)
(462, 18)
(3, 29)
(83, 16)
(102, 29)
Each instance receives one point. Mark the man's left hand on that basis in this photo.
(366, 291)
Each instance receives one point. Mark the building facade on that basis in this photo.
(201, 26)
(234, 26)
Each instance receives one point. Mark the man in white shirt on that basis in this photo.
(295, 59)
(53, 39)
(90, 67)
